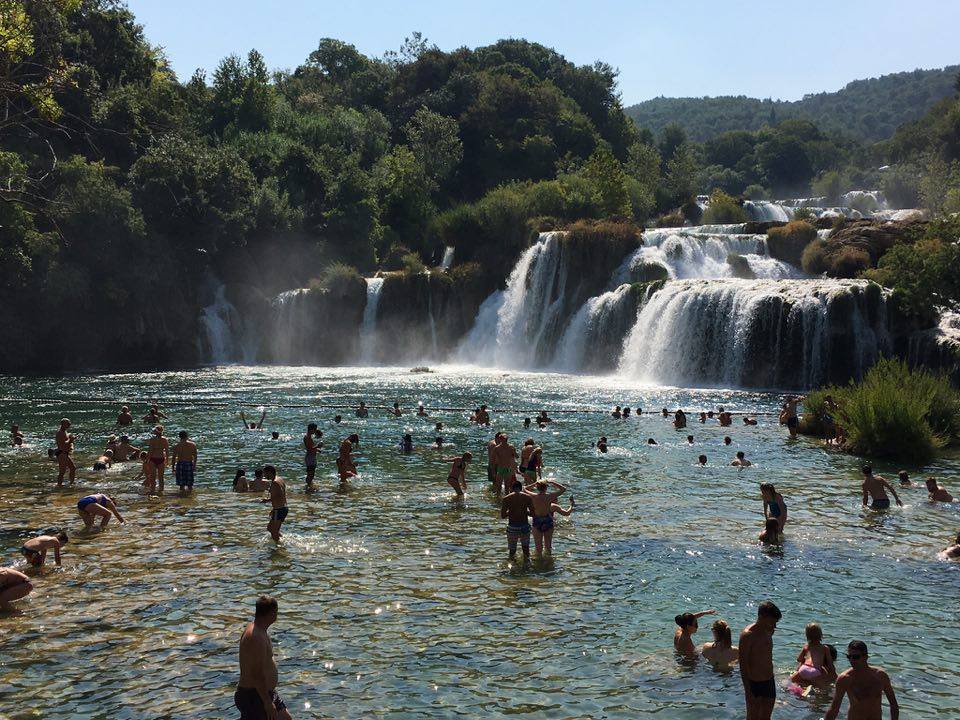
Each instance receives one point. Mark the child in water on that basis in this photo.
(771, 532)
(815, 661)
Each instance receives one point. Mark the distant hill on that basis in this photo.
(867, 110)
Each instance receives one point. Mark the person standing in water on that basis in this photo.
(815, 663)
(788, 415)
(679, 419)
(154, 415)
(253, 426)
(687, 625)
(311, 449)
(515, 509)
(395, 411)
(277, 500)
(64, 450)
(362, 411)
(457, 477)
(865, 686)
(721, 652)
(938, 493)
(345, 465)
(157, 449)
(184, 462)
(543, 510)
(124, 417)
(531, 460)
(256, 695)
(756, 662)
(491, 465)
(773, 504)
(505, 463)
(874, 488)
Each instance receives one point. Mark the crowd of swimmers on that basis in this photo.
(528, 503)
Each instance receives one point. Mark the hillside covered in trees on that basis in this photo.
(866, 110)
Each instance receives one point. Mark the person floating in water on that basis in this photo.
(938, 493)
(35, 549)
(14, 585)
(531, 460)
(865, 686)
(815, 662)
(721, 652)
(515, 509)
(457, 477)
(874, 488)
(277, 500)
(184, 461)
(93, 506)
(256, 695)
(157, 449)
(543, 509)
(741, 460)
(103, 461)
(253, 426)
(124, 417)
(773, 504)
(311, 445)
(687, 625)
(63, 452)
(756, 662)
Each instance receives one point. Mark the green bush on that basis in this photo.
(723, 209)
(338, 278)
(674, 219)
(412, 264)
(803, 213)
(848, 262)
(740, 267)
(814, 259)
(598, 230)
(756, 192)
(788, 242)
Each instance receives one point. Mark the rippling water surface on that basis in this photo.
(396, 601)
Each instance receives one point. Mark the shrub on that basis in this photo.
(674, 219)
(648, 272)
(756, 192)
(848, 262)
(788, 242)
(803, 213)
(412, 264)
(723, 209)
(814, 258)
(594, 230)
(740, 267)
(338, 278)
(393, 260)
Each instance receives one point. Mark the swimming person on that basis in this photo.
(395, 411)
(748, 421)
(154, 415)
(256, 696)
(64, 449)
(515, 509)
(874, 488)
(406, 443)
(35, 549)
(952, 552)
(725, 418)
(14, 585)
(616, 414)
(253, 426)
(457, 477)
(771, 532)
(184, 460)
(773, 504)
(703, 417)
(531, 460)
(311, 448)
(421, 410)
(727, 440)
(702, 460)
(689, 439)
(938, 493)
(651, 441)
(741, 460)
(904, 479)
(124, 417)
(602, 444)
(93, 506)
(157, 449)
(721, 652)
(277, 500)
(756, 662)
(543, 513)
(104, 461)
(686, 626)
(865, 687)
(815, 662)
(542, 418)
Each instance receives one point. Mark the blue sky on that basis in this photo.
(674, 48)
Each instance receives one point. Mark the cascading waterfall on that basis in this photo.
(222, 325)
(447, 261)
(290, 327)
(765, 211)
(593, 338)
(368, 327)
(757, 333)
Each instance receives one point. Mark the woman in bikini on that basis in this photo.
(721, 652)
(686, 626)
(773, 504)
(531, 460)
(457, 477)
(157, 449)
(543, 513)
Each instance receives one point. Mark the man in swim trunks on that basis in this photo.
(543, 502)
(35, 549)
(14, 585)
(184, 463)
(874, 488)
(756, 662)
(505, 464)
(514, 508)
(311, 447)
(864, 685)
(789, 414)
(253, 426)
(482, 417)
(157, 449)
(103, 461)
(457, 477)
(491, 464)
(277, 500)
(125, 418)
(63, 452)
(256, 695)
(99, 505)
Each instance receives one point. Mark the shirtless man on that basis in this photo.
(491, 464)
(157, 449)
(543, 510)
(741, 460)
(504, 463)
(756, 662)
(14, 585)
(874, 488)
(253, 426)
(542, 418)
(124, 417)
(531, 460)
(154, 416)
(938, 493)
(63, 452)
(16, 436)
(93, 506)
(679, 419)
(457, 477)
(125, 450)
(952, 552)
(482, 417)
(184, 461)
(362, 411)
(514, 508)
(256, 696)
(35, 549)
(788, 415)
(864, 685)
(277, 500)
(311, 448)
(725, 418)
(395, 411)
(345, 465)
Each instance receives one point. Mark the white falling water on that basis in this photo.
(368, 327)
(222, 324)
(291, 321)
(476, 348)
(765, 211)
(751, 332)
(433, 324)
(447, 261)
(592, 324)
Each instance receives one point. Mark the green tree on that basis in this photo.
(435, 143)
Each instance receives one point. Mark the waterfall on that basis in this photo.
(593, 338)
(290, 331)
(757, 333)
(222, 324)
(433, 324)
(476, 348)
(447, 261)
(765, 211)
(368, 327)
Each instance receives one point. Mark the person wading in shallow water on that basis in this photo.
(756, 662)
(505, 464)
(874, 488)
(256, 696)
(864, 685)
(184, 463)
(63, 452)
(157, 449)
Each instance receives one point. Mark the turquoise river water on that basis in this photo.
(398, 602)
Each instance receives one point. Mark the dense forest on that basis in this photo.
(129, 193)
(865, 110)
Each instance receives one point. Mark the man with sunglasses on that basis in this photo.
(864, 685)
(756, 662)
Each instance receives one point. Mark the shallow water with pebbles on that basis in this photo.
(398, 602)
